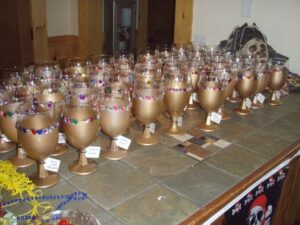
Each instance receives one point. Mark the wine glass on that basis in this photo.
(4, 96)
(210, 96)
(38, 135)
(77, 69)
(176, 98)
(81, 125)
(115, 110)
(245, 87)
(148, 105)
(55, 93)
(279, 74)
(193, 69)
(263, 76)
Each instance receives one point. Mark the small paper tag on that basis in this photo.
(277, 94)
(93, 152)
(179, 121)
(5, 139)
(216, 117)
(152, 128)
(261, 98)
(61, 138)
(248, 103)
(195, 97)
(52, 164)
(123, 142)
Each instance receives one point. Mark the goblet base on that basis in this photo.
(234, 99)
(60, 149)
(175, 132)
(275, 102)
(208, 127)
(115, 155)
(193, 106)
(257, 106)
(142, 140)
(44, 182)
(79, 169)
(6, 146)
(243, 112)
(21, 162)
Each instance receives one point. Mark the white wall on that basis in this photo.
(62, 17)
(214, 20)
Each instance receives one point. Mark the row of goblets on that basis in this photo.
(81, 122)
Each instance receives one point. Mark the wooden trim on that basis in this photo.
(183, 21)
(62, 47)
(218, 203)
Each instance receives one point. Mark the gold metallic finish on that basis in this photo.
(176, 102)
(146, 112)
(210, 98)
(44, 178)
(261, 84)
(114, 123)
(20, 160)
(245, 88)
(80, 136)
(194, 81)
(276, 82)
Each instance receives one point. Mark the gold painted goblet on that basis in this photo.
(38, 135)
(81, 125)
(115, 111)
(4, 146)
(278, 76)
(210, 96)
(55, 93)
(245, 87)
(263, 77)
(194, 76)
(228, 81)
(148, 105)
(177, 94)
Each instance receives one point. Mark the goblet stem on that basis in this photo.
(146, 138)
(255, 99)
(192, 105)
(208, 121)
(243, 110)
(43, 178)
(208, 126)
(221, 111)
(20, 160)
(114, 153)
(255, 103)
(274, 100)
(147, 133)
(82, 160)
(174, 129)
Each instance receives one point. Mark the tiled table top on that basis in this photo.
(165, 183)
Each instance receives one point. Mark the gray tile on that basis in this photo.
(159, 161)
(112, 184)
(146, 209)
(231, 130)
(237, 160)
(201, 183)
(263, 142)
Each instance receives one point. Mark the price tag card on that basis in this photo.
(123, 142)
(52, 164)
(261, 98)
(248, 103)
(5, 139)
(216, 117)
(277, 94)
(61, 138)
(195, 97)
(93, 152)
(152, 127)
(179, 121)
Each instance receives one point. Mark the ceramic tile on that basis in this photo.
(159, 161)
(231, 130)
(201, 183)
(263, 142)
(237, 160)
(112, 184)
(155, 206)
